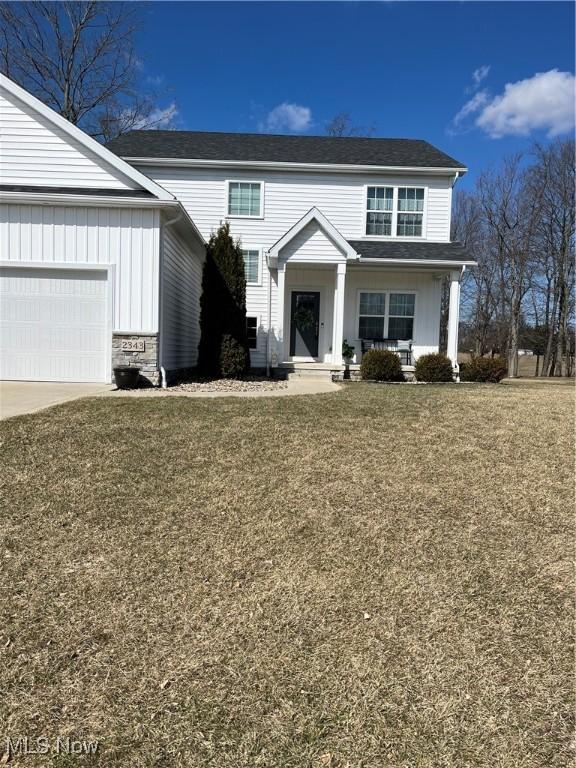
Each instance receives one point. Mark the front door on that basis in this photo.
(304, 323)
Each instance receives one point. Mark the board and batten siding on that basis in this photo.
(181, 290)
(35, 152)
(129, 238)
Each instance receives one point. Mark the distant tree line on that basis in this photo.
(519, 225)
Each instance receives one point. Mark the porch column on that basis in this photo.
(338, 330)
(453, 319)
(280, 310)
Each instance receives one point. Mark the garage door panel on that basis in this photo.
(53, 324)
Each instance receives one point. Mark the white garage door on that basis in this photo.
(53, 324)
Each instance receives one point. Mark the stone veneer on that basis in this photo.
(147, 361)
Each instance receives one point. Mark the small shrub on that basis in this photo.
(381, 365)
(234, 359)
(486, 369)
(433, 367)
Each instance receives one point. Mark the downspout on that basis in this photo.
(163, 224)
(269, 331)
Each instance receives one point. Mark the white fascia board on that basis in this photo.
(420, 262)
(105, 154)
(278, 166)
(100, 201)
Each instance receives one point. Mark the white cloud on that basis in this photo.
(543, 102)
(480, 74)
(289, 117)
(158, 118)
(476, 103)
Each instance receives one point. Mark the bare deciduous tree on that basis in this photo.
(79, 59)
(519, 225)
(342, 125)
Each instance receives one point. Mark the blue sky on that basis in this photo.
(405, 68)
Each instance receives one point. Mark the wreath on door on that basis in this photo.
(304, 318)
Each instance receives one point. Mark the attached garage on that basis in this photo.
(54, 324)
(100, 266)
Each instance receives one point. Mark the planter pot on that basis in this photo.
(127, 376)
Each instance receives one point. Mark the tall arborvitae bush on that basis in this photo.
(223, 348)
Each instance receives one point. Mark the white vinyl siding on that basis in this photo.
(290, 195)
(181, 287)
(35, 152)
(125, 237)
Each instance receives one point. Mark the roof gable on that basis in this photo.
(40, 147)
(313, 231)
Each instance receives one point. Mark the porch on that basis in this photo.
(329, 290)
(321, 305)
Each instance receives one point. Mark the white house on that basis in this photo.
(343, 238)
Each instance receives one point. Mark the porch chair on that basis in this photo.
(403, 348)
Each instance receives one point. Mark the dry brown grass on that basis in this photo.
(377, 578)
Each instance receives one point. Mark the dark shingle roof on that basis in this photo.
(260, 147)
(378, 249)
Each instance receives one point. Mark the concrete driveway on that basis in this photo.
(18, 397)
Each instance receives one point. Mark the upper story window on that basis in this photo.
(251, 265)
(395, 212)
(245, 198)
(379, 213)
(410, 212)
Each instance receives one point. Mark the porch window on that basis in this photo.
(252, 265)
(410, 212)
(244, 198)
(401, 316)
(372, 315)
(252, 332)
(380, 202)
(384, 315)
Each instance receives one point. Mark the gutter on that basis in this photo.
(421, 262)
(280, 165)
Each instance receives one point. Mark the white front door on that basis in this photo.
(53, 324)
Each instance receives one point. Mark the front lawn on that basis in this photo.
(376, 578)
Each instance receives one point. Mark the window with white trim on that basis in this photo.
(386, 315)
(245, 198)
(252, 332)
(394, 211)
(410, 212)
(372, 318)
(379, 210)
(251, 265)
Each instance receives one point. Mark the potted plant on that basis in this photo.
(127, 376)
(347, 355)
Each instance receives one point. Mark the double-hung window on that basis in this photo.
(395, 211)
(379, 210)
(245, 198)
(401, 316)
(410, 212)
(252, 265)
(372, 321)
(386, 315)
